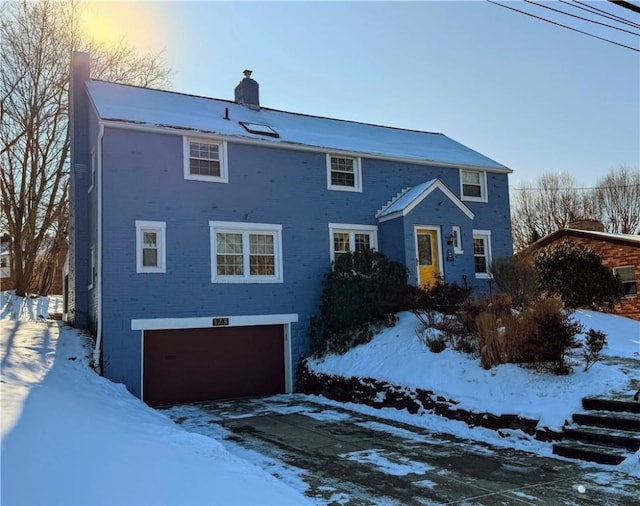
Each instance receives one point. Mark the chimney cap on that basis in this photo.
(247, 73)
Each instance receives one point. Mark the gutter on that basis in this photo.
(98, 348)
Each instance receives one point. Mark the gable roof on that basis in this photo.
(625, 239)
(143, 106)
(409, 199)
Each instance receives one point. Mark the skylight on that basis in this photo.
(258, 128)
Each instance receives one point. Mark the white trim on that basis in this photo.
(282, 145)
(288, 362)
(160, 228)
(484, 192)
(438, 246)
(203, 322)
(411, 206)
(141, 363)
(486, 236)
(351, 229)
(246, 229)
(357, 174)
(222, 159)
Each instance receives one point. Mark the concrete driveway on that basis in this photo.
(338, 456)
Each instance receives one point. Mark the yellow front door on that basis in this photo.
(428, 266)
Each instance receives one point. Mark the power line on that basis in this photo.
(626, 5)
(612, 187)
(599, 12)
(580, 17)
(565, 26)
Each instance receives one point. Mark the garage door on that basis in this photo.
(191, 365)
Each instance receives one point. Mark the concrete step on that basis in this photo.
(604, 436)
(617, 405)
(592, 453)
(610, 419)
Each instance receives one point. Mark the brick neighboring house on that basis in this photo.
(620, 253)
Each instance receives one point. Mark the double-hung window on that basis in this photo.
(627, 276)
(482, 253)
(344, 173)
(205, 160)
(246, 252)
(347, 238)
(473, 185)
(150, 246)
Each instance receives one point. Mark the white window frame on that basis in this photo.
(457, 242)
(635, 280)
(352, 230)
(93, 268)
(246, 229)
(357, 172)
(160, 229)
(483, 186)
(485, 235)
(222, 155)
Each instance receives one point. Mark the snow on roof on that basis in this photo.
(411, 197)
(607, 235)
(116, 102)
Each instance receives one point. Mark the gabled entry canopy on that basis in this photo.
(411, 197)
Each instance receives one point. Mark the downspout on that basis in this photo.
(97, 350)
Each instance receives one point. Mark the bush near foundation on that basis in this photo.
(351, 303)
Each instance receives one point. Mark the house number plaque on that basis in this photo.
(220, 322)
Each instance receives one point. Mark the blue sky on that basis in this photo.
(533, 96)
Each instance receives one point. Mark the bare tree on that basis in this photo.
(549, 204)
(37, 39)
(617, 196)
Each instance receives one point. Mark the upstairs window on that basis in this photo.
(343, 173)
(350, 238)
(246, 252)
(205, 160)
(627, 276)
(482, 253)
(150, 246)
(473, 185)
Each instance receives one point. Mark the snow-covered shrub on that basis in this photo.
(575, 273)
(555, 335)
(351, 303)
(594, 342)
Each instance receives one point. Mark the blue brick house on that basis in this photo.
(200, 228)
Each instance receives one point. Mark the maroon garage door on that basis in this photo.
(192, 365)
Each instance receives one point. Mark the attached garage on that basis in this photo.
(181, 365)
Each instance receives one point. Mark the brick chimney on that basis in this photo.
(247, 91)
(587, 224)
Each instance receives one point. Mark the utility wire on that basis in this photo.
(580, 17)
(600, 12)
(567, 189)
(626, 5)
(564, 26)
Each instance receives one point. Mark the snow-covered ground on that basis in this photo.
(72, 437)
(397, 356)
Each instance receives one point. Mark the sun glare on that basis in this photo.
(101, 27)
